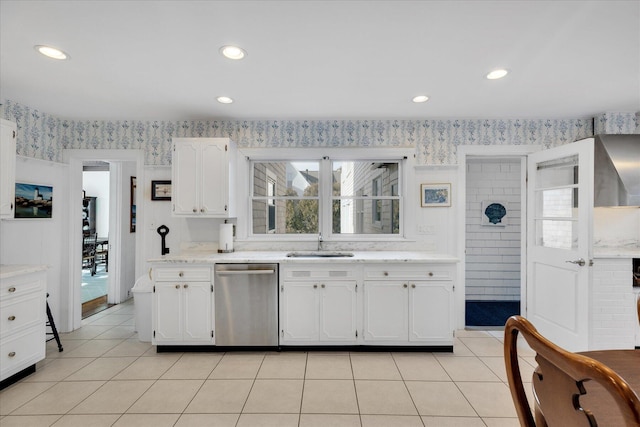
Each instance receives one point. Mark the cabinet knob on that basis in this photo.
(315, 286)
(322, 286)
(12, 318)
(431, 274)
(404, 285)
(185, 286)
(413, 285)
(12, 354)
(12, 289)
(202, 210)
(195, 210)
(181, 274)
(177, 286)
(386, 273)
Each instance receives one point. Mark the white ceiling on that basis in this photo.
(141, 60)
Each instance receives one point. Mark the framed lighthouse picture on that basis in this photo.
(33, 201)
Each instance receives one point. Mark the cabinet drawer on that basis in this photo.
(22, 350)
(435, 272)
(197, 274)
(314, 273)
(20, 286)
(19, 313)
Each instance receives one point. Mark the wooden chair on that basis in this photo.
(559, 382)
(89, 243)
(638, 304)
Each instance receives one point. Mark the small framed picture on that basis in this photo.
(435, 195)
(160, 190)
(33, 201)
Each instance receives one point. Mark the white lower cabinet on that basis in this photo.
(22, 327)
(315, 309)
(395, 304)
(183, 306)
(414, 305)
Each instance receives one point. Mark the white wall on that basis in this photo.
(616, 227)
(493, 252)
(127, 239)
(41, 241)
(96, 184)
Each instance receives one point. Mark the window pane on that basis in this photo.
(558, 203)
(285, 216)
(358, 216)
(365, 178)
(557, 234)
(556, 173)
(292, 178)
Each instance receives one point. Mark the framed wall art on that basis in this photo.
(132, 213)
(160, 190)
(33, 201)
(435, 195)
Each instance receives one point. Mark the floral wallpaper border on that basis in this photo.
(44, 136)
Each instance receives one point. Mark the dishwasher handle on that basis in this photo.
(243, 272)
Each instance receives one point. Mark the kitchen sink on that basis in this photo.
(319, 254)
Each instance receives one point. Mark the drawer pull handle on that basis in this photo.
(12, 354)
(12, 289)
(12, 318)
(431, 274)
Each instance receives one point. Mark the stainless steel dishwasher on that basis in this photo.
(246, 304)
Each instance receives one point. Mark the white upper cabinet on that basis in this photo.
(7, 168)
(204, 177)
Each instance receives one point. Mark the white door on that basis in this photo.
(431, 311)
(385, 311)
(338, 311)
(186, 179)
(215, 185)
(559, 219)
(299, 311)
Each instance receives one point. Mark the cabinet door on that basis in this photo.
(169, 316)
(186, 180)
(385, 311)
(338, 311)
(430, 311)
(215, 179)
(198, 311)
(299, 317)
(7, 168)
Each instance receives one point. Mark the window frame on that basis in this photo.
(325, 156)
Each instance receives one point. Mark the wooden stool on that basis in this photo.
(52, 324)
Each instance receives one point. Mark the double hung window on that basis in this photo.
(332, 197)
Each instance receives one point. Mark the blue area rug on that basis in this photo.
(490, 313)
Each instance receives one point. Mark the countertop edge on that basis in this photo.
(12, 270)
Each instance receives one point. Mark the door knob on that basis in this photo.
(581, 262)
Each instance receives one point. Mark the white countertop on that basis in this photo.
(11, 270)
(281, 257)
(616, 252)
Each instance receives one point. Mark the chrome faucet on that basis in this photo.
(320, 241)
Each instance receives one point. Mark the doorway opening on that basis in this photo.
(493, 240)
(95, 236)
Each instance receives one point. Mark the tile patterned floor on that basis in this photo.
(106, 377)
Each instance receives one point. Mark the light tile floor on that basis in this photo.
(106, 377)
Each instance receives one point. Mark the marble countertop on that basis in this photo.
(616, 252)
(11, 270)
(201, 257)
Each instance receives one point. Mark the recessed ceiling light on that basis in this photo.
(51, 52)
(420, 98)
(497, 74)
(233, 52)
(224, 100)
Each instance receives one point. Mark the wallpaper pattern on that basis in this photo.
(44, 136)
